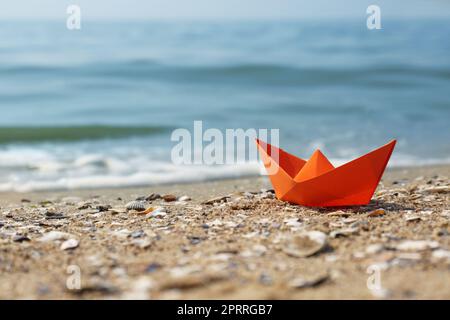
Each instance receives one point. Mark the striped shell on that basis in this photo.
(136, 205)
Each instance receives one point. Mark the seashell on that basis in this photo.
(53, 236)
(374, 248)
(305, 244)
(309, 282)
(437, 189)
(339, 213)
(417, 245)
(184, 198)
(69, 244)
(217, 200)
(293, 222)
(343, 232)
(376, 213)
(136, 205)
(411, 218)
(159, 213)
(153, 196)
(441, 254)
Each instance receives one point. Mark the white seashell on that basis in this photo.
(305, 244)
(69, 244)
(343, 232)
(374, 248)
(122, 233)
(159, 212)
(184, 198)
(441, 254)
(417, 245)
(445, 213)
(54, 235)
(437, 189)
(293, 222)
(309, 282)
(136, 205)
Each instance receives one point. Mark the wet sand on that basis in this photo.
(244, 244)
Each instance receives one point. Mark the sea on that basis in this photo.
(96, 107)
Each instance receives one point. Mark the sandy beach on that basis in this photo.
(228, 239)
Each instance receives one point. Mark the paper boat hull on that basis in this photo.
(350, 184)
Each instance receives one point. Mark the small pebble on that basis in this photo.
(169, 197)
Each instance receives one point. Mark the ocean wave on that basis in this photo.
(257, 74)
(164, 173)
(74, 133)
(25, 169)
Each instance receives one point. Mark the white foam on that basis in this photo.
(25, 169)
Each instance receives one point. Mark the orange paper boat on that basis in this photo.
(316, 183)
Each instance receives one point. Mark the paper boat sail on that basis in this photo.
(317, 183)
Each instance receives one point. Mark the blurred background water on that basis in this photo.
(96, 107)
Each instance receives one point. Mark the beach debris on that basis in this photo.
(376, 213)
(136, 206)
(71, 200)
(308, 282)
(305, 244)
(441, 254)
(54, 236)
(436, 189)
(265, 279)
(84, 206)
(117, 210)
(445, 213)
(217, 200)
(191, 281)
(137, 234)
(152, 267)
(142, 243)
(406, 258)
(374, 248)
(344, 232)
(416, 245)
(20, 238)
(426, 212)
(339, 213)
(184, 198)
(159, 213)
(195, 239)
(349, 220)
(293, 222)
(69, 244)
(412, 218)
(49, 215)
(103, 207)
(153, 196)
(169, 197)
(266, 195)
(139, 289)
(139, 206)
(45, 203)
(122, 233)
(259, 250)
(95, 285)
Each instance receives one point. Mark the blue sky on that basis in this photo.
(220, 9)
